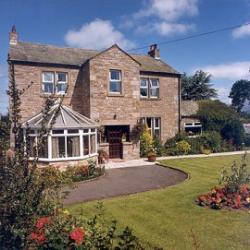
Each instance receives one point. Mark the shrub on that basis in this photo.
(211, 140)
(64, 231)
(157, 146)
(236, 177)
(183, 147)
(217, 116)
(146, 142)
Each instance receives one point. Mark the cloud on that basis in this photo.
(165, 28)
(162, 17)
(231, 71)
(223, 94)
(241, 32)
(169, 10)
(98, 34)
(3, 71)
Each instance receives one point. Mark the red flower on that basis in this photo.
(39, 238)
(34, 235)
(77, 235)
(41, 222)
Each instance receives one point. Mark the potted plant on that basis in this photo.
(151, 156)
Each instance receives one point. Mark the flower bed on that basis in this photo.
(220, 197)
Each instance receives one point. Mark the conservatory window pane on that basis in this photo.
(58, 147)
(43, 148)
(85, 145)
(32, 147)
(92, 144)
(73, 146)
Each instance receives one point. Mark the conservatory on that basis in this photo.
(72, 136)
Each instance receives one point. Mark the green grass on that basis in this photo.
(167, 217)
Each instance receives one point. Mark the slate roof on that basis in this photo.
(65, 118)
(189, 108)
(39, 53)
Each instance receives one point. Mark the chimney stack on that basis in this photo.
(154, 52)
(13, 36)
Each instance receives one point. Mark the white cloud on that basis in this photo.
(223, 94)
(162, 17)
(165, 28)
(231, 71)
(241, 32)
(169, 10)
(98, 34)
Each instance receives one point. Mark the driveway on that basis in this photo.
(124, 181)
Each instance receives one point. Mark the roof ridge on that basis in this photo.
(56, 46)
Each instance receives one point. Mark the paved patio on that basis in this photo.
(112, 164)
(124, 181)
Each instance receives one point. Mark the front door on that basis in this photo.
(115, 144)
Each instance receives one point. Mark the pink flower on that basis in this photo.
(41, 222)
(77, 235)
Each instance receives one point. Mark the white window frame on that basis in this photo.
(193, 125)
(65, 134)
(153, 127)
(154, 87)
(50, 82)
(144, 87)
(54, 82)
(116, 81)
(149, 87)
(61, 82)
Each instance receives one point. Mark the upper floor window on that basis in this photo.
(115, 81)
(149, 88)
(54, 82)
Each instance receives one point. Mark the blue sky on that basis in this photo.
(100, 23)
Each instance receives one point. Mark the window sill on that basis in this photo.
(65, 159)
(149, 99)
(115, 95)
(54, 95)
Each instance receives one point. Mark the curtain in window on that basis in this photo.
(73, 146)
(55, 147)
(92, 144)
(85, 145)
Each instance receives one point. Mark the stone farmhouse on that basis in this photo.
(109, 93)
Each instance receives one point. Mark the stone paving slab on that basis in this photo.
(124, 181)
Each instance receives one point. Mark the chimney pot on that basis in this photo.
(13, 36)
(154, 51)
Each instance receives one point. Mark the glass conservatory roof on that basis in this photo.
(62, 117)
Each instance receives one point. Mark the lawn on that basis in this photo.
(170, 219)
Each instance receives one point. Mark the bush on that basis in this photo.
(183, 147)
(158, 147)
(211, 140)
(217, 116)
(64, 231)
(237, 177)
(146, 142)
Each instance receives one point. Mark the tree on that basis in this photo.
(240, 93)
(197, 86)
(217, 116)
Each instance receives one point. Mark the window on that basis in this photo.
(64, 144)
(153, 124)
(144, 87)
(193, 128)
(115, 82)
(149, 88)
(54, 82)
(85, 145)
(154, 88)
(48, 82)
(73, 146)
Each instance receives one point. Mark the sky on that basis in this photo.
(97, 24)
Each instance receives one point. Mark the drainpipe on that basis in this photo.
(179, 104)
